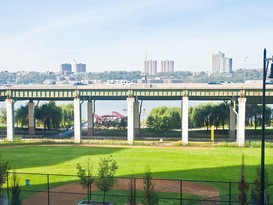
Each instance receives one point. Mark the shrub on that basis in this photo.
(86, 178)
(150, 196)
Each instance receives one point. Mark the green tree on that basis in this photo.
(224, 114)
(34, 77)
(256, 188)
(191, 119)
(86, 178)
(164, 118)
(254, 115)
(219, 115)
(195, 118)
(106, 175)
(150, 196)
(21, 115)
(15, 190)
(206, 114)
(3, 116)
(50, 115)
(201, 115)
(174, 114)
(4, 167)
(243, 186)
(67, 115)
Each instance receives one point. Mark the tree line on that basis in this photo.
(50, 115)
(47, 115)
(204, 115)
(34, 77)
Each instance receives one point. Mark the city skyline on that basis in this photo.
(116, 35)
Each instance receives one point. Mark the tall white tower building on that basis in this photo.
(215, 63)
(150, 67)
(221, 64)
(167, 66)
(228, 65)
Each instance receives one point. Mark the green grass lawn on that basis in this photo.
(191, 163)
(186, 163)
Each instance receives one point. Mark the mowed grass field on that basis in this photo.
(187, 163)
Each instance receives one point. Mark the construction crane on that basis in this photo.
(74, 61)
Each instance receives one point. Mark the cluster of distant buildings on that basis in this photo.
(66, 68)
(221, 64)
(150, 67)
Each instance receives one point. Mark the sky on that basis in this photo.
(116, 35)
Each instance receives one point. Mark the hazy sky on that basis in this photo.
(116, 34)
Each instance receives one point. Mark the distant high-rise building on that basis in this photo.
(80, 68)
(66, 68)
(229, 65)
(221, 64)
(167, 66)
(215, 63)
(150, 67)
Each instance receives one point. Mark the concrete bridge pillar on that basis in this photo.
(185, 120)
(137, 118)
(241, 122)
(130, 120)
(77, 120)
(10, 119)
(31, 118)
(90, 119)
(232, 124)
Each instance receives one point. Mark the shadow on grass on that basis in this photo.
(32, 156)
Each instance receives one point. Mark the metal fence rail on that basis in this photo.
(51, 189)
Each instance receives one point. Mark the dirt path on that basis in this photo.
(71, 194)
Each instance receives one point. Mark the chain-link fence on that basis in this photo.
(53, 189)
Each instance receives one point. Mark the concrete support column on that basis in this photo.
(232, 124)
(31, 119)
(90, 118)
(130, 120)
(241, 121)
(185, 120)
(10, 119)
(137, 118)
(77, 120)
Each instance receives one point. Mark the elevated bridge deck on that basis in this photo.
(195, 91)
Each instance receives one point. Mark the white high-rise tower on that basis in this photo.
(167, 66)
(150, 67)
(221, 64)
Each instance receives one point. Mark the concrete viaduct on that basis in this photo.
(233, 94)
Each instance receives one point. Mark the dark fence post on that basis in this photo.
(229, 193)
(181, 187)
(134, 190)
(48, 199)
